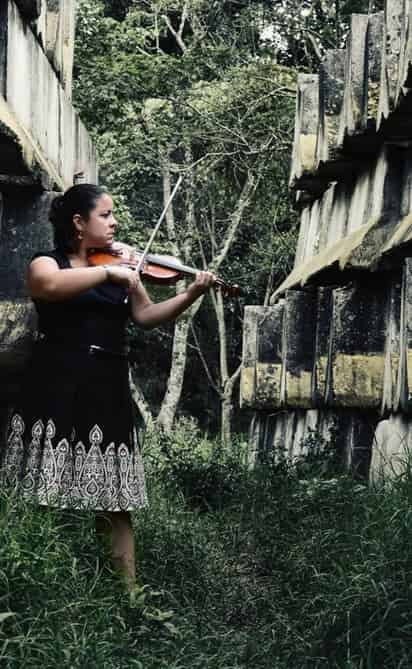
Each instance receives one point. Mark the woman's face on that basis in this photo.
(100, 227)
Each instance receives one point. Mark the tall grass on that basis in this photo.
(272, 568)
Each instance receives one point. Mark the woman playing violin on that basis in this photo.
(72, 441)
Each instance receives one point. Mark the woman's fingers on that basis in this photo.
(203, 281)
(206, 279)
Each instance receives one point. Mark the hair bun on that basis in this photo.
(56, 208)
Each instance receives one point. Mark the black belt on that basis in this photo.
(92, 349)
(99, 351)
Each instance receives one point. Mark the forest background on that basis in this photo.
(203, 89)
(266, 567)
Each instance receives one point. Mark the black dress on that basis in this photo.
(72, 441)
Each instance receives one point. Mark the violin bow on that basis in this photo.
(157, 226)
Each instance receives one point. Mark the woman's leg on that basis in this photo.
(118, 529)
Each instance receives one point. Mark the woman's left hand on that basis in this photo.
(203, 282)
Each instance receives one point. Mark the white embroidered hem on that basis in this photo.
(69, 475)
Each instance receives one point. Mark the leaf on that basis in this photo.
(172, 628)
(158, 615)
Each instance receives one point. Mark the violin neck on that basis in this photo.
(168, 262)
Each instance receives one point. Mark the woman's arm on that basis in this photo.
(47, 281)
(148, 315)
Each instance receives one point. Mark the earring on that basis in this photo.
(79, 236)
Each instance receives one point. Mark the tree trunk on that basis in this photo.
(171, 399)
(226, 414)
(140, 401)
(173, 393)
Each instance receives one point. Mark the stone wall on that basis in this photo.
(333, 352)
(42, 145)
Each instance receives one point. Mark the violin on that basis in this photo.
(158, 269)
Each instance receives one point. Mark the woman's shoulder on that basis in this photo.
(55, 254)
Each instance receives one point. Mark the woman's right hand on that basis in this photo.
(124, 276)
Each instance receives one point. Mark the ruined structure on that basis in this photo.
(42, 145)
(333, 352)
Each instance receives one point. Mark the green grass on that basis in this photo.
(265, 569)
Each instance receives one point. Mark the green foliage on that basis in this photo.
(203, 97)
(285, 571)
(200, 469)
(301, 31)
(235, 113)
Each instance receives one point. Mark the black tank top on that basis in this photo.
(96, 316)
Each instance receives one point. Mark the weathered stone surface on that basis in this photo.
(309, 235)
(355, 194)
(391, 57)
(42, 134)
(53, 24)
(354, 223)
(24, 229)
(331, 89)
(321, 368)
(17, 323)
(249, 356)
(404, 386)
(359, 435)
(401, 233)
(269, 357)
(327, 214)
(42, 144)
(306, 126)
(59, 39)
(390, 398)
(357, 346)
(294, 434)
(298, 348)
(376, 34)
(355, 99)
(392, 449)
(334, 257)
(405, 60)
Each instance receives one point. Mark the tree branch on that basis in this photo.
(176, 35)
(248, 189)
(140, 401)
(203, 361)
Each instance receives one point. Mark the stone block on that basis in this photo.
(376, 33)
(390, 397)
(40, 134)
(357, 346)
(298, 348)
(404, 386)
(24, 229)
(392, 449)
(53, 24)
(355, 431)
(306, 127)
(331, 89)
(294, 434)
(303, 233)
(249, 356)
(321, 370)
(59, 39)
(354, 114)
(336, 225)
(327, 215)
(405, 61)
(17, 324)
(391, 57)
(269, 357)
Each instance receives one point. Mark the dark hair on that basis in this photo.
(79, 199)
